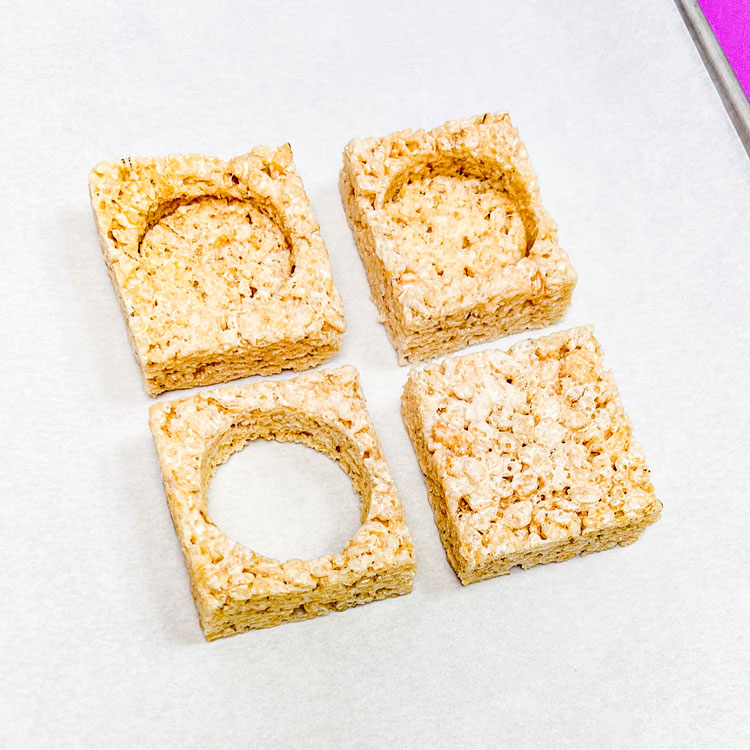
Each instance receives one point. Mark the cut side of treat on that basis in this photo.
(528, 455)
(457, 246)
(235, 588)
(219, 266)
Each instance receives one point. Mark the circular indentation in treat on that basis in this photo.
(284, 501)
(215, 252)
(455, 224)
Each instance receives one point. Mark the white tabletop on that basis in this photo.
(644, 646)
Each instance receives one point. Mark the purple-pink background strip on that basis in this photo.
(730, 21)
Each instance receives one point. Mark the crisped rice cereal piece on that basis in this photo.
(528, 455)
(235, 588)
(457, 246)
(219, 266)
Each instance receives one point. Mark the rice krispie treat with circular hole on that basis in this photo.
(236, 588)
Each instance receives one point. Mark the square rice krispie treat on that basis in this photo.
(236, 588)
(457, 246)
(219, 266)
(528, 455)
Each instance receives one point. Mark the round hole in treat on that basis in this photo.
(213, 252)
(284, 501)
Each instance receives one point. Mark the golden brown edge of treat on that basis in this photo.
(377, 563)
(269, 360)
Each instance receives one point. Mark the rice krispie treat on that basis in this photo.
(451, 230)
(219, 266)
(528, 455)
(236, 588)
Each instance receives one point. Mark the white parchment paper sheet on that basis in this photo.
(645, 646)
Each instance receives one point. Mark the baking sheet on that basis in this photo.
(721, 32)
(642, 646)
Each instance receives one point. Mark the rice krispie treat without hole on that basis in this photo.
(451, 230)
(236, 588)
(219, 266)
(528, 455)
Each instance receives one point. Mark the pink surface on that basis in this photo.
(730, 20)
